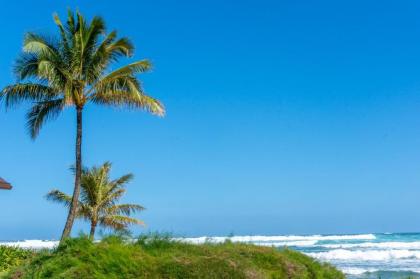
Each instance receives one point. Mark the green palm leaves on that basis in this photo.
(72, 70)
(98, 200)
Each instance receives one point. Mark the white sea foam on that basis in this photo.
(375, 245)
(303, 243)
(360, 271)
(357, 270)
(280, 238)
(32, 244)
(369, 255)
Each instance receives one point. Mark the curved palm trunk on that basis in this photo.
(92, 230)
(73, 207)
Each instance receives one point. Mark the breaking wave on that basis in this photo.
(362, 255)
(280, 238)
(375, 245)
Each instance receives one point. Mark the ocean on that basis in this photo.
(359, 256)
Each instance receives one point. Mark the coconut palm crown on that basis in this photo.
(72, 70)
(98, 200)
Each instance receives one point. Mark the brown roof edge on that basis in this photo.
(5, 185)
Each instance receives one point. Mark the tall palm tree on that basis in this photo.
(73, 70)
(98, 200)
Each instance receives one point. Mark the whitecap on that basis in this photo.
(370, 255)
(376, 245)
(279, 238)
(303, 243)
(357, 270)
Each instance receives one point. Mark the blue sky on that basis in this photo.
(282, 117)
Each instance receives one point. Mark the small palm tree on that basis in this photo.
(73, 70)
(98, 200)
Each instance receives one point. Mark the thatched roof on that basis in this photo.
(4, 184)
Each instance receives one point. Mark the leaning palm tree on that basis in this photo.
(98, 200)
(73, 70)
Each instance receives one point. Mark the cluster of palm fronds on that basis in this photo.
(71, 70)
(98, 200)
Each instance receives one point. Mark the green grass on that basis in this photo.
(158, 257)
(11, 257)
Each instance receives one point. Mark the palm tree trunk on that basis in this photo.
(73, 207)
(92, 230)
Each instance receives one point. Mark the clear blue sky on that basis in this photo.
(283, 117)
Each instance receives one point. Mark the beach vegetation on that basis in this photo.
(163, 257)
(12, 256)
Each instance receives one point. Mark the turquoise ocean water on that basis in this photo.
(367, 256)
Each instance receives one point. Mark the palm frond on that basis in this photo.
(125, 91)
(107, 52)
(26, 66)
(125, 71)
(14, 94)
(42, 112)
(124, 209)
(118, 222)
(55, 74)
(112, 197)
(38, 44)
(121, 181)
(59, 197)
(63, 33)
(122, 47)
(131, 100)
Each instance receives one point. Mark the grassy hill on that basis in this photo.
(156, 257)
